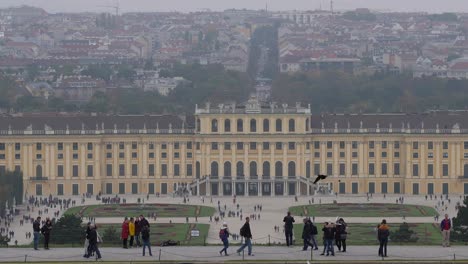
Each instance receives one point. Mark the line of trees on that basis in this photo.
(341, 92)
(11, 189)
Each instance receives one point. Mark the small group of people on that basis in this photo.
(135, 228)
(44, 230)
(245, 233)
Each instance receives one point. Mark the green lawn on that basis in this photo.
(363, 210)
(365, 234)
(161, 210)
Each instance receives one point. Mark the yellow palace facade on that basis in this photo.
(245, 150)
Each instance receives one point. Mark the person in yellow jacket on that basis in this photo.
(131, 230)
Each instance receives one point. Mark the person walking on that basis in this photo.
(383, 232)
(247, 235)
(36, 231)
(93, 242)
(224, 235)
(288, 228)
(445, 227)
(329, 231)
(131, 231)
(125, 232)
(86, 244)
(145, 237)
(306, 234)
(313, 234)
(45, 230)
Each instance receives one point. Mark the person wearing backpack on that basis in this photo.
(145, 237)
(306, 231)
(224, 235)
(383, 232)
(247, 235)
(313, 234)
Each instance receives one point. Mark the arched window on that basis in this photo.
(240, 169)
(240, 125)
(291, 168)
(307, 124)
(198, 125)
(292, 125)
(227, 169)
(197, 169)
(214, 169)
(266, 125)
(278, 169)
(227, 125)
(308, 169)
(39, 171)
(214, 125)
(253, 125)
(266, 169)
(253, 169)
(279, 125)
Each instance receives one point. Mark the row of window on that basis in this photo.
(253, 125)
(108, 188)
(239, 171)
(109, 170)
(354, 145)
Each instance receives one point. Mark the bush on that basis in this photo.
(404, 234)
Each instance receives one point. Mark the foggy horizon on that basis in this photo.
(54, 6)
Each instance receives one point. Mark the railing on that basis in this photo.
(96, 132)
(386, 131)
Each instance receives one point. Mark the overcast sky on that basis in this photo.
(433, 6)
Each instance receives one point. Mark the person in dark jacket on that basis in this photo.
(306, 234)
(93, 242)
(145, 236)
(224, 236)
(143, 222)
(329, 231)
(288, 228)
(37, 231)
(341, 234)
(247, 235)
(383, 232)
(137, 231)
(45, 230)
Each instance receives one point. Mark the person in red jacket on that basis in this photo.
(125, 232)
(445, 227)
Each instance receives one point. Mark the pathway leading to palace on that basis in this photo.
(274, 209)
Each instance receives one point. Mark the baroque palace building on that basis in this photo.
(249, 149)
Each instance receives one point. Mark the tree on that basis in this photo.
(67, 229)
(99, 103)
(100, 71)
(460, 223)
(33, 72)
(404, 234)
(111, 235)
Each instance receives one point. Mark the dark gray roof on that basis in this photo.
(89, 122)
(430, 120)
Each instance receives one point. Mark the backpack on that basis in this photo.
(242, 231)
(222, 234)
(145, 233)
(313, 230)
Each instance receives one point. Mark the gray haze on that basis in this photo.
(433, 6)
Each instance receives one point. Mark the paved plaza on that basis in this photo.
(273, 211)
(210, 253)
